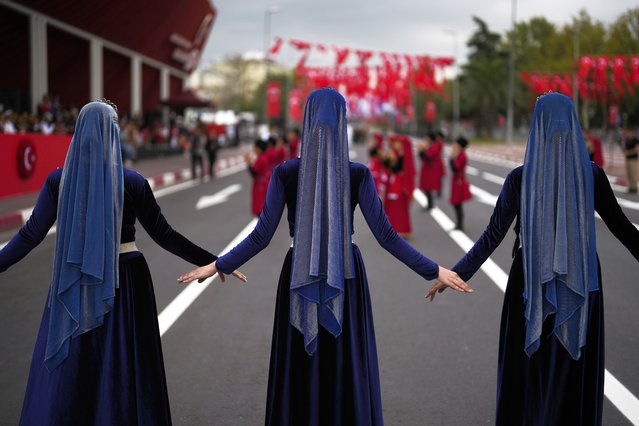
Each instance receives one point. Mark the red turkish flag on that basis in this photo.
(273, 94)
(341, 54)
(275, 49)
(585, 63)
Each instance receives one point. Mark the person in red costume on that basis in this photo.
(294, 142)
(400, 167)
(430, 179)
(260, 168)
(459, 187)
(281, 150)
(595, 150)
(375, 163)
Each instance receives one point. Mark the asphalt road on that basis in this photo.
(437, 360)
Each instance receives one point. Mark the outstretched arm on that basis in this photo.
(155, 224)
(612, 215)
(33, 232)
(255, 242)
(502, 218)
(375, 216)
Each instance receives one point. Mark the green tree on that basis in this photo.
(483, 79)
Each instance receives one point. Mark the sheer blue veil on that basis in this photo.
(557, 226)
(85, 267)
(322, 250)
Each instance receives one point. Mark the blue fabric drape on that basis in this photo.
(557, 226)
(322, 253)
(85, 267)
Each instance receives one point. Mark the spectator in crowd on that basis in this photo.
(198, 148)
(46, 126)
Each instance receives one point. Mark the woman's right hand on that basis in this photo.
(448, 278)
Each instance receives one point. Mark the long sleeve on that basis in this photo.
(502, 218)
(261, 236)
(612, 215)
(33, 232)
(153, 221)
(371, 207)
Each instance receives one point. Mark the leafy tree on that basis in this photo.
(483, 78)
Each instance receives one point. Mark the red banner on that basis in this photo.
(273, 95)
(27, 159)
(295, 105)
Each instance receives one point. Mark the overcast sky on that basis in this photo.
(416, 27)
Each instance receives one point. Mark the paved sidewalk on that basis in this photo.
(15, 211)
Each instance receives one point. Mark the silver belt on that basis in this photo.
(128, 247)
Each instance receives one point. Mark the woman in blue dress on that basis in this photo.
(323, 368)
(551, 343)
(98, 355)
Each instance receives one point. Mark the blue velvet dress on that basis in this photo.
(339, 383)
(550, 387)
(114, 374)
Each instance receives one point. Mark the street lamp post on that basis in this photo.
(455, 130)
(511, 78)
(267, 41)
(267, 28)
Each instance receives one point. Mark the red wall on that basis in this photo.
(50, 153)
(15, 71)
(117, 80)
(14, 36)
(175, 86)
(68, 58)
(141, 25)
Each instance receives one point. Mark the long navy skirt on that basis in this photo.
(114, 374)
(549, 388)
(339, 383)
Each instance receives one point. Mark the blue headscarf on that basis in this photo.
(557, 226)
(85, 266)
(322, 250)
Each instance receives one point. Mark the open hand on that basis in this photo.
(203, 272)
(448, 278)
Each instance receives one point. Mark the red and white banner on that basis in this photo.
(273, 95)
(295, 105)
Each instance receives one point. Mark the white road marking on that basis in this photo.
(217, 198)
(483, 196)
(182, 301)
(472, 171)
(493, 178)
(614, 390)
(26, 214)
(159, 193)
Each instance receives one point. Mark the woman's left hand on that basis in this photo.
(438, 287)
